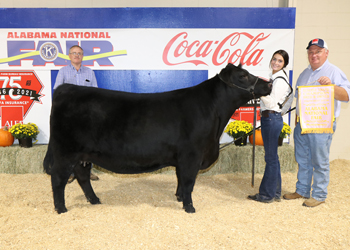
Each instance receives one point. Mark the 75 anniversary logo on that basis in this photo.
(18, 92)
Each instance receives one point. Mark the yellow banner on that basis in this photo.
(316, 108)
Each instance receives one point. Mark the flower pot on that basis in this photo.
(25, 142)
(241, 142)
(280, 141)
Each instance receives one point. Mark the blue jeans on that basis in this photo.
(271, 183)
(312, 155)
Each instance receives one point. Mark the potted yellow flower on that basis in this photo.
(25, 133)
(239, 129)
(284, 133)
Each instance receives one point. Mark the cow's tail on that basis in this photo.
(48, 160)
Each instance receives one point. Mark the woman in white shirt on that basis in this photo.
(271, 126)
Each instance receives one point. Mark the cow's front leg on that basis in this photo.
(187, 178)
(187, 200)
(82, 173)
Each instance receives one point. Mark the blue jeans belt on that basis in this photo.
(266, 113)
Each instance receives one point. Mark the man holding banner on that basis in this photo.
(320, 89)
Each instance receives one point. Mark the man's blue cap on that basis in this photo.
(318, 42)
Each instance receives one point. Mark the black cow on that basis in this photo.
(132, 133)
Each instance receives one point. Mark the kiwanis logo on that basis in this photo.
(48, 51)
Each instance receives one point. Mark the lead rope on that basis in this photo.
(253, 160)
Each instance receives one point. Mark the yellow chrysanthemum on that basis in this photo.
(238, 128)
(20, 131)
(285, 130)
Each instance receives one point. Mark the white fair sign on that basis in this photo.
(44, 50)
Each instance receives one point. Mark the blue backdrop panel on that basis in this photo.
(145, 81)
(243, 18)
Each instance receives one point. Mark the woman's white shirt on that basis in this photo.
(279, 93)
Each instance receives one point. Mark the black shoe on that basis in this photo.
(256, 197)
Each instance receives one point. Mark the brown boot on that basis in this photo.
(93, 177)
(312, 202)
(293, 196)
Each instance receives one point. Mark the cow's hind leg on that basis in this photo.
(82, 174)
(59, 178)
(178, 193)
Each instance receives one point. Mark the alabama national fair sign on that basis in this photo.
(132, 49)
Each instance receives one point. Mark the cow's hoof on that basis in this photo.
(179, 198)
(61, 210)
(189, 209)
(95, 201)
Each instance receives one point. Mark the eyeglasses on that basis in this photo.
(76, 53)
(317, 52)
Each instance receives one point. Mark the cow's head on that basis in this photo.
(236, 77)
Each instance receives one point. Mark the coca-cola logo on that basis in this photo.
(236, 47)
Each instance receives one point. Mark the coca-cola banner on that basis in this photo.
(135, 50)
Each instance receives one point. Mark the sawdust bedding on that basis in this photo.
(141, 212)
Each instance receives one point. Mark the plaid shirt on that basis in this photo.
(83, 77)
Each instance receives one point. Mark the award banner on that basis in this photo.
(316, 108)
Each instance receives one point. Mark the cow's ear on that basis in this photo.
(225, 74)
(240, 65)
